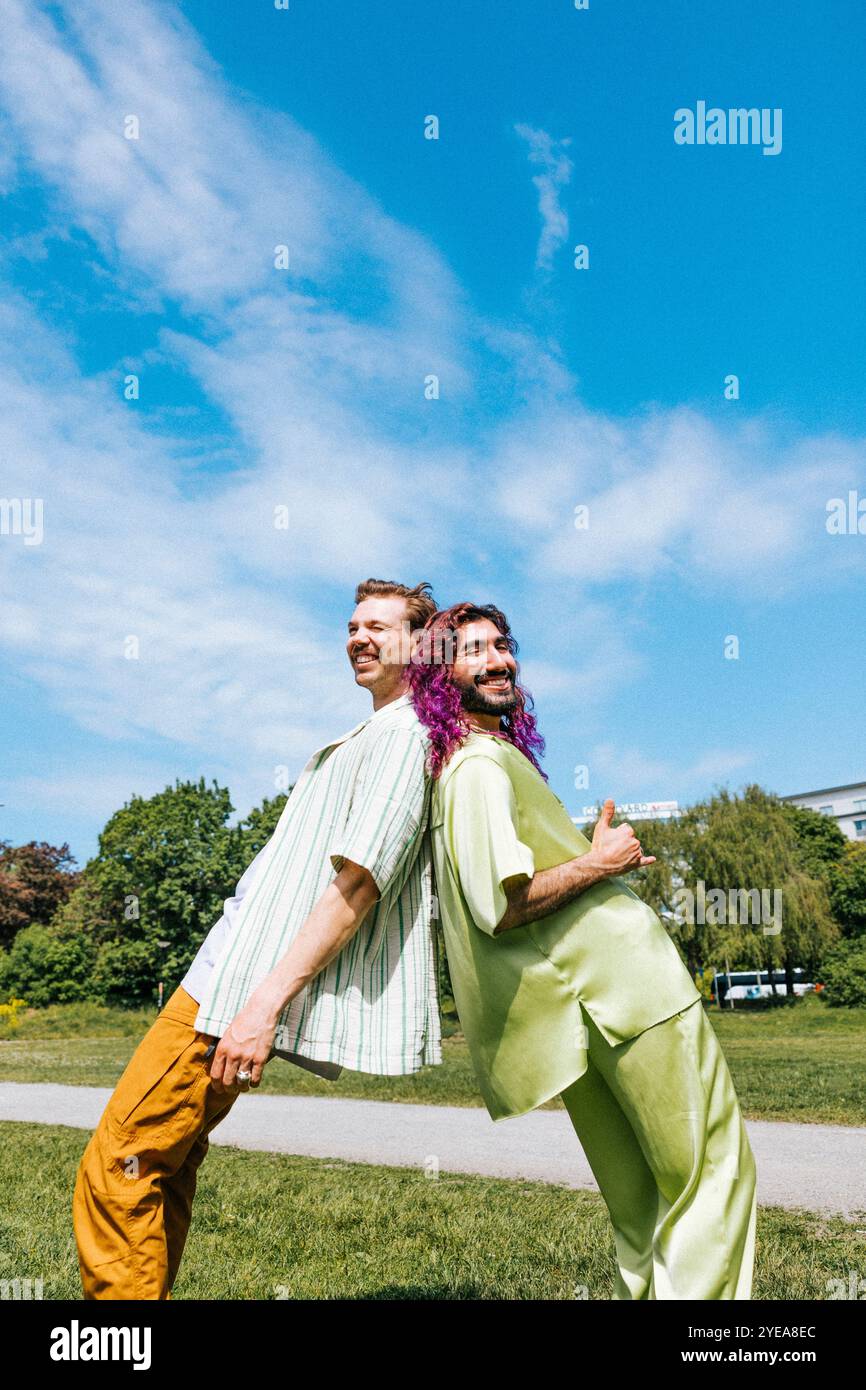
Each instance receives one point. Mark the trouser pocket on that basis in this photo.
(162, 1072)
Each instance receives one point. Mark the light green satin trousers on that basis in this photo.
(660, 1124)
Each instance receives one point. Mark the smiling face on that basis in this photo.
(484, 672)
(378, 646)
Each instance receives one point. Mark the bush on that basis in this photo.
(843, 974)
(126, 972)
(704, 983)
(10, 1019)
(47, 965)
(847, 883)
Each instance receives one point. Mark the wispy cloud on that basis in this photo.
(630, 771)
(674, 493)
(548, 154)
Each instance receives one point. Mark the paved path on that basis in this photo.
(817, 1167)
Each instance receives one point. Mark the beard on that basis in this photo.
(478, 700)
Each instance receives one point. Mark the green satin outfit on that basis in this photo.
(594, 1002)
(520, 994)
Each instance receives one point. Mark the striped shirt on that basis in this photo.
(375, 1006)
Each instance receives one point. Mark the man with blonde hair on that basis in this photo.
(324, 956)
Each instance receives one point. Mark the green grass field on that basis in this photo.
(807, 1063)
(271, 1226)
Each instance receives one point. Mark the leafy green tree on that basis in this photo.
(736, 843)
(144, 903)
(822, 843)
(164, 866)
(129, 971)
(258, 827)
(847, 885)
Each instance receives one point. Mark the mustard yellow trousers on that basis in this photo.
(661, 1127)
(135, 1184)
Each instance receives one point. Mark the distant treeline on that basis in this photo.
(140, 908)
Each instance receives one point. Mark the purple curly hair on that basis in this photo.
(437, 699)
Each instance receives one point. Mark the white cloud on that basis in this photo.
(673, 493)
(97, 794)
(124, 555)
(548, 154)
(630, 772)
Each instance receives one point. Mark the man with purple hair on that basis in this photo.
(567, 984)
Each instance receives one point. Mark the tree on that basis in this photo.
(714, 860)
(258, 827)
(822, 843)
(840, 863)
(157, 884)
(847, 885)
(843, 973)
(141, 907)
(35, 879)
(748, 845)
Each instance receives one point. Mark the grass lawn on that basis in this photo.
(806, 1063)
(273, 1226)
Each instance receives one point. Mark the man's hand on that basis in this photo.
(613, 852)
(246, 1045)
(617, 850)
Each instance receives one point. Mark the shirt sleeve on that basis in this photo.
(388, 813)
(481, 823)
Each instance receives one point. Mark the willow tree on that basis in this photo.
(744, 850)
(733, 881)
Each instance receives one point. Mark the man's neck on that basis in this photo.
(487, 723)
(380, 701)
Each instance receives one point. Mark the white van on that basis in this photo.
(755, 984)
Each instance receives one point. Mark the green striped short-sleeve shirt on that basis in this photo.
(374, 1007)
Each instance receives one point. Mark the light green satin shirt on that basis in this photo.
(519, 994)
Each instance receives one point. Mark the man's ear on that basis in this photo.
(408, 642)
(415, 636)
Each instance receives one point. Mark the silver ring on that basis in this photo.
(244, 1076)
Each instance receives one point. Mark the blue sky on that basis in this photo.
(304, 387)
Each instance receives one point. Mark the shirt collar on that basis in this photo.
(392, 704)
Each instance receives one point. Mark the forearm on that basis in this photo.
(549, 889)
(248, 1040)
(330, 926)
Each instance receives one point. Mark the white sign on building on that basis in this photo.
(633, 810)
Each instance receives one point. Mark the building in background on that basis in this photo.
(847, 806)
